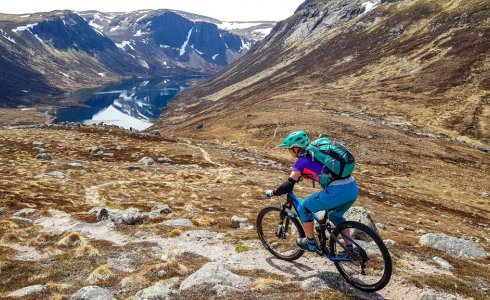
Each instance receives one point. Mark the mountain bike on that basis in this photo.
(367, 265)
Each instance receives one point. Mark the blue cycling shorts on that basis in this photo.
(338, 197)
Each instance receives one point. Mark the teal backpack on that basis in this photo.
(334, 156)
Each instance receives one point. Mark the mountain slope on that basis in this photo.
(420, 61)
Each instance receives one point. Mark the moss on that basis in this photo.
(175, 233)
(242, 248)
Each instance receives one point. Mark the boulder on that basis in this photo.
(164, 159)
(28, 291)
(237, 222)
(433, 295)
(482, 148)
(361, 215)
(442, 263)
(128, 216)
(45, 156)
(161, 209)
(147, 161)
(454, 246)
(155, 292)
(75, 165)
(92, 293)
(24, 212)
(217, 275)
(102, 214)
(178, 222)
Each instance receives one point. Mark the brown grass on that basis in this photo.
(100, 274)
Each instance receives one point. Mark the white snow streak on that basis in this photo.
(236, 25)
(23, 28)
(370, 5)
(214, 56)
(95, 25)
(182, 49)
(124, 44)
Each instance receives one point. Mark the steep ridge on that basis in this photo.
(422, 61)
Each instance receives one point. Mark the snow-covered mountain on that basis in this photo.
(44, 54)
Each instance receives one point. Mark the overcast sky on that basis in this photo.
(224, 10)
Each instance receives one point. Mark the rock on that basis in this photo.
(147, 161)
(200, 126)
(45, 156)
(94, 149)
(482, 148)
(155, 292)
(421, 231)
(433, 295)
(215, 274)
(484, 194)
(178, 222)
(102, 214)
(314, 285)
(155, 132)
(28, 291)
(76, 165)
(164, 159)
(128, 216)
(454, 246)
(237, 222)
(2, 211)
(39, 149)
(359, 214)
(389, 243)
(398, 205)
(55, 174)
(37, 143)
(442, 263)
(24, 212)
(161, 209)
(134, 168)
(380, 226)
(19, 219)
(92, 293)
(190, 208)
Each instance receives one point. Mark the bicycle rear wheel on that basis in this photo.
(368, 266)
(278, 233)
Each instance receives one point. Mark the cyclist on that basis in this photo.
(338, 196)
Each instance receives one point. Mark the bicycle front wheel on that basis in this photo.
(368, 265)
(278, 233)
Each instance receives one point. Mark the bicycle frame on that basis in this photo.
(323, 226)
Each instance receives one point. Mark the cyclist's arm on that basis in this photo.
(288, 185)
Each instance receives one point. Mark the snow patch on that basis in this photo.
(370, 5)
(200, 53)
(124, 44)
(214, 56)
(182, 49)
(7, 37)
(141, 18)
(38, 38)
(144, 64)
(244, 45)
(101, 74)
(264, 32)
(236, 25)
(112, 116)
(95, 25)
(25, 16)
(139, 33)
(24, 28)
(114, 28)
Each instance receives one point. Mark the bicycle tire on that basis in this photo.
(265, 228)
(383, 251)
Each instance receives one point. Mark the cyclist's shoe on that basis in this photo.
(307, 244)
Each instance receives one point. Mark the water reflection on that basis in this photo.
(133, 103)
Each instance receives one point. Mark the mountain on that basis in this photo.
(421, 62)
(46, 54)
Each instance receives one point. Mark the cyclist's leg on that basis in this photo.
(350, 192)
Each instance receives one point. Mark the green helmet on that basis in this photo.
(297, 138)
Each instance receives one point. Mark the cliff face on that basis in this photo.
(425, 62)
